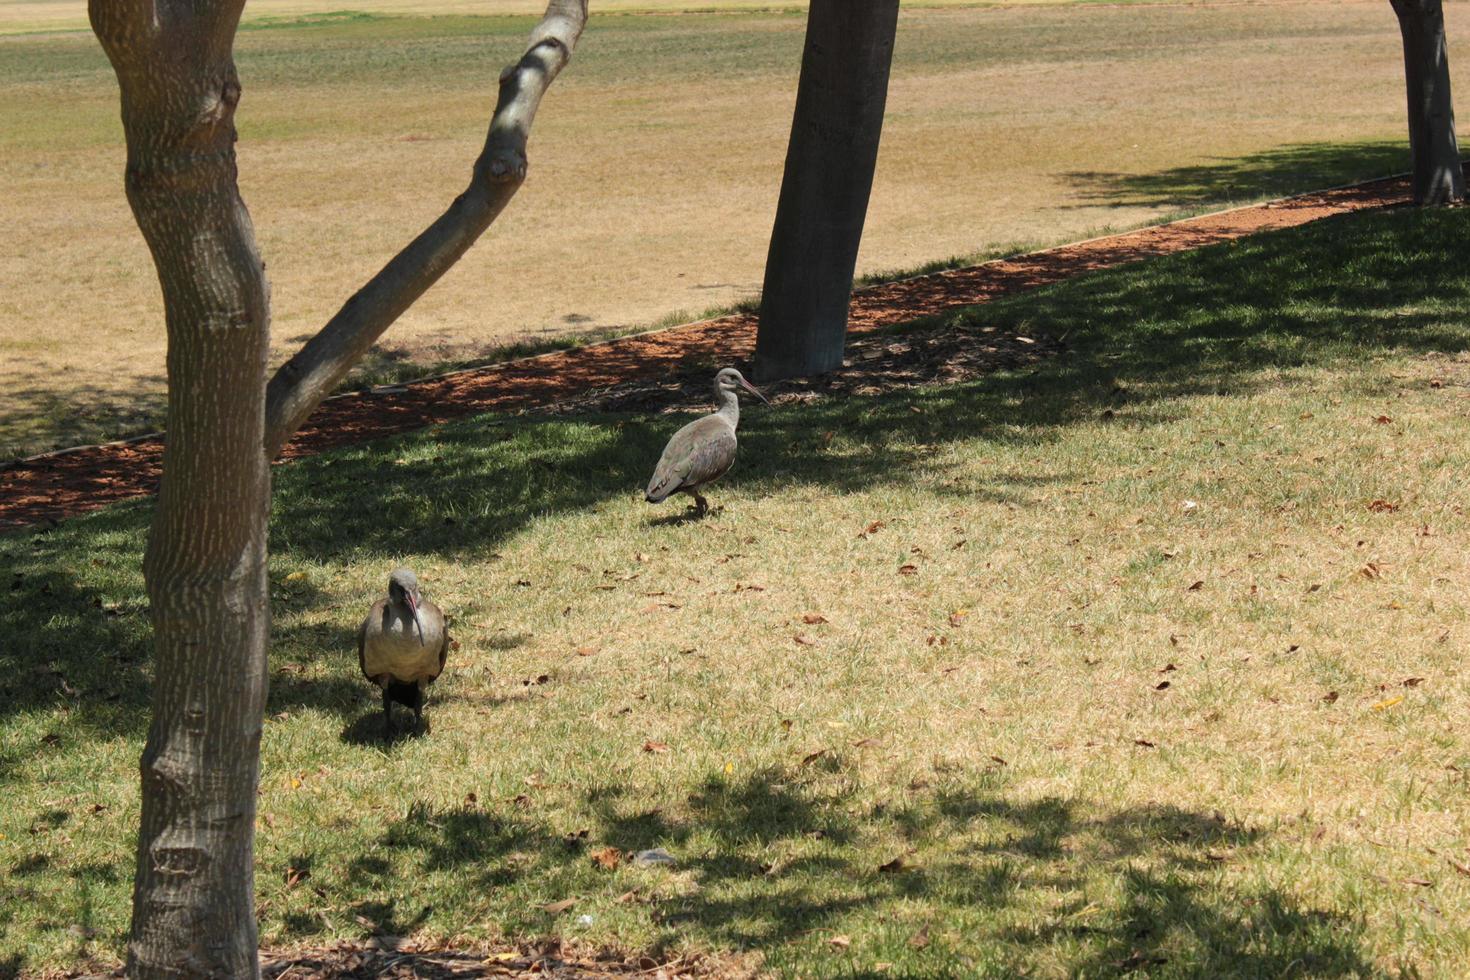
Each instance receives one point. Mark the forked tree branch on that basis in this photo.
(303, 381)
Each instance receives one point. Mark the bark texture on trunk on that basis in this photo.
(1438, 177)
(824, 192)
(311, 374)
(205, 566)
(193, 894)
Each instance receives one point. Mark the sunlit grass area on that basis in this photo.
(655, 167)
(1148, 657)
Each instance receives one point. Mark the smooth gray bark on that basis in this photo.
(205, 567)
(830, 161)
(1438, 176)
(193, 892)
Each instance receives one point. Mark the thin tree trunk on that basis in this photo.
(1438, 176)
(193, 894)
(824, 193)
(205, 567)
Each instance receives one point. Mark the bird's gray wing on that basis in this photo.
(362, 630)
(362, 649)
(444, 643)
(700, 452)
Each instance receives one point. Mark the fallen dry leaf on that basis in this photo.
(811, 757)
(586, 651)
(1330, 697)
(805, 641)
(1387, 703)
(1143, 742)
(1196, 586)
(1382, 507)
(652, 746)
(908, 569)
(872, 528)
(919, 939)
(813, 619)
(892, 867)
(1413, 681)
(606, 857)
(958, 616)
(840, 942)
(557, 908)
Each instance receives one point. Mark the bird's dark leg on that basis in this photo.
(418, 709)
(701, 506)
(387, 715)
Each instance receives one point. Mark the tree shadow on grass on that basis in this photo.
(43, 410)
(1140, 340)
(779, 861)
(1290, 169)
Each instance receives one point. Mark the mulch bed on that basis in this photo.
(657, 370)
(395, 958)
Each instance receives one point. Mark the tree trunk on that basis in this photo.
(193, 894)
(824, 192)
(1438, 176)
(205, 567)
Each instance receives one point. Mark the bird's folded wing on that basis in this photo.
(710, 458)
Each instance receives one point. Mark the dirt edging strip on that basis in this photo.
(51, 487)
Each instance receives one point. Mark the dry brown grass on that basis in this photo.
(655, 166)
(974, 686)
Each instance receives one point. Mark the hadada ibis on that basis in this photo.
(402, 646)
(703, 450)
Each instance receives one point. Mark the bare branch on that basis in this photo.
(302, 382)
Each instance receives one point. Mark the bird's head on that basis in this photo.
(729, 379)
(403, 591)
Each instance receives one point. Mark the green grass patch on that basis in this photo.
(1174, 685)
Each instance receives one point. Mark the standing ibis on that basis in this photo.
(703, 450)
(402, 646)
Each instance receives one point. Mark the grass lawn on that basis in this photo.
(1154, 663)
(656, 165)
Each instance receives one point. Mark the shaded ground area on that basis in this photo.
(52, 487)
(1278, 170)
(391, 956)
(942, 842)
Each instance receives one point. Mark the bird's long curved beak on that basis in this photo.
(413, 605)
(752, 389)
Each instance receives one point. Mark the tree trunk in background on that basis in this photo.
(1438, 175)
(194, 895)
(824, 193)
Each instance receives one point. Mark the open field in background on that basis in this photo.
(32, 16)
(655, 167)
(1098, 729)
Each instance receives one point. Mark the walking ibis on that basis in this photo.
(703, 450)
(402, 646)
